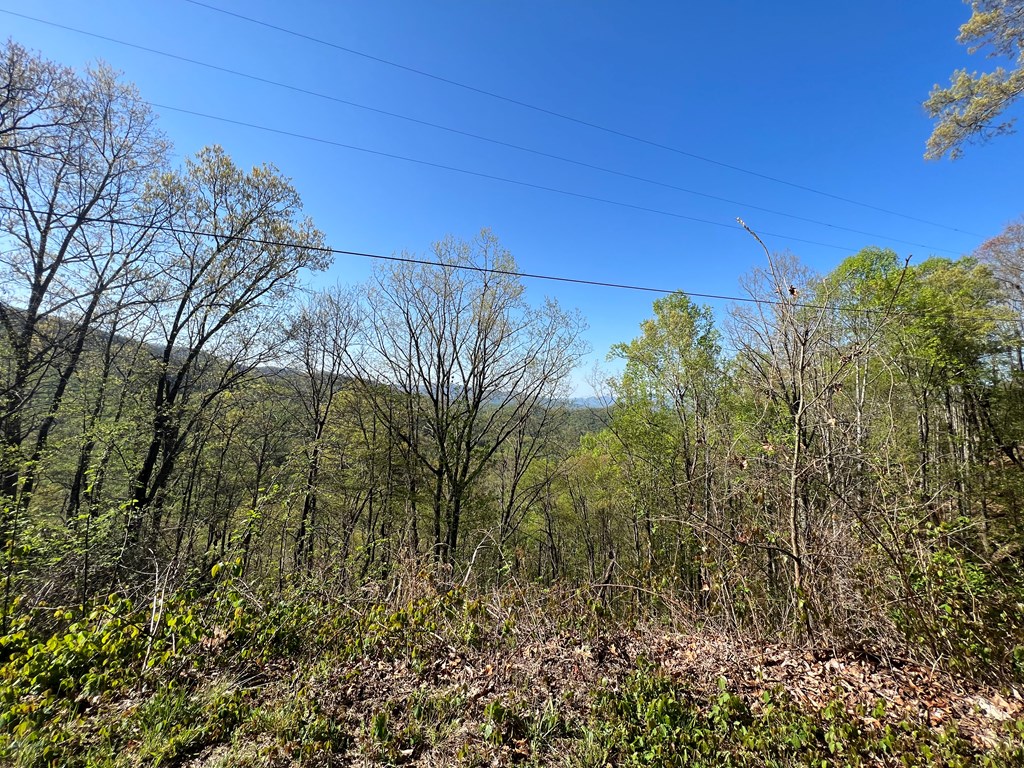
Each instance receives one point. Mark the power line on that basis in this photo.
(267, 242)
(170, 229)
(489, 176)
(457, 131)
(576, 120)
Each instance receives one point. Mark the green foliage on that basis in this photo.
(954, 317)
(411, 631)
(651, 720)
(394, 633)
(502, 723)
(400, 731)
(53, 672)
(177, 721)
(672, 358)
(283, 628)
(304, 729)
(968, 613)
(103, 690)
(969, 108)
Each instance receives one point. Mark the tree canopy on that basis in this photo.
(971, 108)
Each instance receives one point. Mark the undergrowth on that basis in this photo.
(652, 721)
(226, 679)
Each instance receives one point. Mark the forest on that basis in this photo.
(249, 521)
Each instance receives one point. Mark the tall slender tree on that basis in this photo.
(229, 265)
(472, 359)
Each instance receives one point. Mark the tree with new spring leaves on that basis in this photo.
(37, 98)
(233, 253)
(473, 359)
(217, 482)
(971, 107)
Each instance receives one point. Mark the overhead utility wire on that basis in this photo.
(578, 121)
(171, 229)
(457, 131)
(492, 177)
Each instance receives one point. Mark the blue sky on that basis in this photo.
(824, 95)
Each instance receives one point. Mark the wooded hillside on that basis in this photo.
(213, 475)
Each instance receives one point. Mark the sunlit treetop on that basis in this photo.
(970, 109)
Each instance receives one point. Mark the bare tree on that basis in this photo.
(1004, 255)
(472, 359)
(319, 342)
(787, 352)
(37, 100)
(229, 265)
(75, 230)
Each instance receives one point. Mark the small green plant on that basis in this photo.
(653, 721)
(50, 678)
(176, 722)
(502, 724)
(965, 612)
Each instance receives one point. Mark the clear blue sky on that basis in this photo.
(825, 95)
